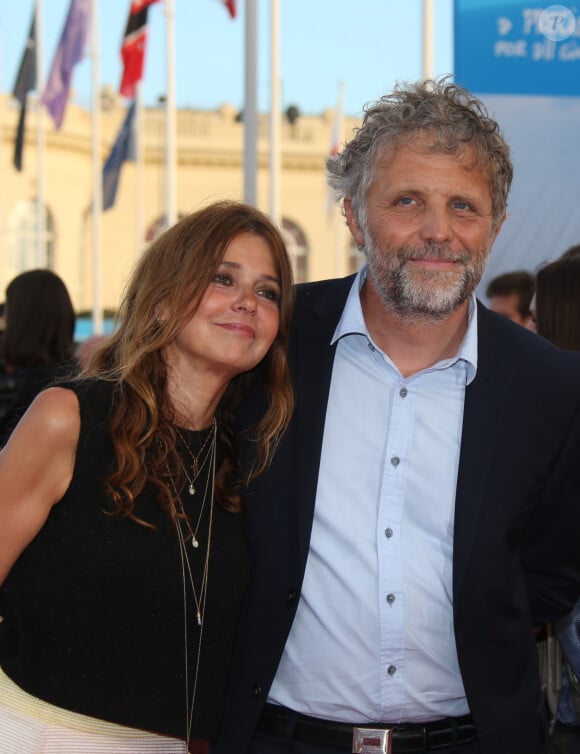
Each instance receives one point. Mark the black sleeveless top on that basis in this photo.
(96, 604)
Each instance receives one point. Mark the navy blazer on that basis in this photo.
(516, 560)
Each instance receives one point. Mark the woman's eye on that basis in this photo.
(222, 279)
(270, 294)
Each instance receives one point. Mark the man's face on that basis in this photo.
(508, 306)
(428, 229)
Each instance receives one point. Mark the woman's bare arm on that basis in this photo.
(36, 467)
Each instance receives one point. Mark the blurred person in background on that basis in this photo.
(511, 294)
(572, 252)
(557, 313)
(8, 382)
(38, 339)
(557, 304)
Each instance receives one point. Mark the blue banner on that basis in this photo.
(517, 47)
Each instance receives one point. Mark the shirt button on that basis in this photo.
(388, 532)
(403, 392)
(371, 347)
(390, 598)
(395, 460)
(391, 670)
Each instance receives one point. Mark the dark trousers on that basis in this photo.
(263, 743)
(565, 739)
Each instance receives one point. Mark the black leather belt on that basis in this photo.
(368, 737)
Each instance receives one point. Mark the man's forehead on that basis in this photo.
(429, 143)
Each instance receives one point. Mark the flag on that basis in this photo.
(123, 149)
(25, 81)
(231, 6)
(68, 53)
(133, 46)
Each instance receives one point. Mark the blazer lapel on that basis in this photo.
(484, 401)
(313, 358)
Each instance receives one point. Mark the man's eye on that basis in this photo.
(406, 200)
(461, 205)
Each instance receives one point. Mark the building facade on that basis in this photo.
(95, 262)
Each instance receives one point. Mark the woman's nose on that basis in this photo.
(246, 301)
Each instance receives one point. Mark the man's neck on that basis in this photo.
(412, 343)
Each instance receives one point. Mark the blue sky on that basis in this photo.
(366, 44)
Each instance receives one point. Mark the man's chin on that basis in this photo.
(424, 302)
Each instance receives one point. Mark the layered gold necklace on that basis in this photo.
(187, 534)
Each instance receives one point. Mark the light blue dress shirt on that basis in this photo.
(373, 636)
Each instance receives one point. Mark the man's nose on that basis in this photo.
(436, 225)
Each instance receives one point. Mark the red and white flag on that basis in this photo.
(231, 6)
(133, 47)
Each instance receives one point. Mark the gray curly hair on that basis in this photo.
(450, 114)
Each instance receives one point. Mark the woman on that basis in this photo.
(38, 340)
(120, 536)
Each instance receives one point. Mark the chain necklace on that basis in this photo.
(209, 459)
(197, 466)
(199, 595)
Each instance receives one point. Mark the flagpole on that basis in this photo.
(97, 174)
(170, 118)
(41, 257)
(250, 103)
(139, 172)
(428, 46)
(275, 111)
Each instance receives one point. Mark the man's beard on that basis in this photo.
(408, 289)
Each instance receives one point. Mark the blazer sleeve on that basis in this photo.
(551, 547)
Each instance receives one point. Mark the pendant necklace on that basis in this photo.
(197, 464)
(199, 594)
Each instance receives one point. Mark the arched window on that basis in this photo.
(297, 249)
(24, 250)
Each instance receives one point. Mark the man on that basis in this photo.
(511, 294)
(422, 512)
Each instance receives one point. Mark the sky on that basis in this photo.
(365, 45)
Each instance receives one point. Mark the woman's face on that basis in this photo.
(239, 314)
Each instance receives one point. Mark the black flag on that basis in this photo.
(25, 81)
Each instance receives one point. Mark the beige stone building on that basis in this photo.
(210, 167)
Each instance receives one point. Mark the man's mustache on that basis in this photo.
(433, 251)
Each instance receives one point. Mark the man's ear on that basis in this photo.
(499, 227)
(352, 223)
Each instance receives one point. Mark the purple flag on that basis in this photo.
(68, 53)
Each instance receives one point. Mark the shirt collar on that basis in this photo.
(352, 322)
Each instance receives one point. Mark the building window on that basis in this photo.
(25, 252)
(297, 249)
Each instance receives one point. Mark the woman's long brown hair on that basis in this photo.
(175, 271)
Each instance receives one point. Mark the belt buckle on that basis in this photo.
(372, 740)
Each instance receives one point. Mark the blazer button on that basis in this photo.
(291, 595)
(257, 690)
